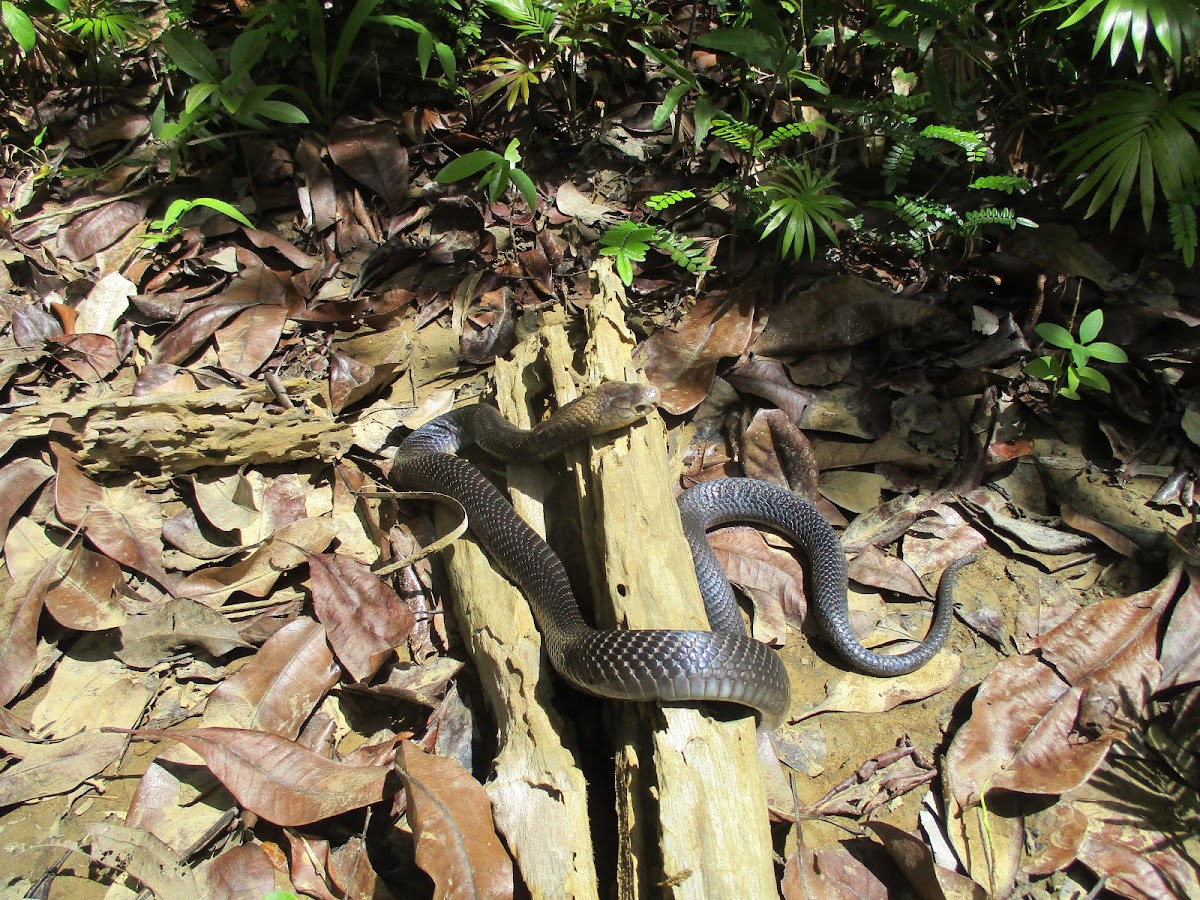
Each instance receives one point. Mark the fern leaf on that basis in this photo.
(970, 142)
(1182, 217)
(659, 202)
(1006, 183)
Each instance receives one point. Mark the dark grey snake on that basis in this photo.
(723, 664)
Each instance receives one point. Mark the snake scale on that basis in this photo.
(724, 664)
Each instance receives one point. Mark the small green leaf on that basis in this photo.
(525, 185)
(1055, 335)
(1046, 368)
(1090, 327)
(1094, 378)
(1107, 352)
(280, 111)
(222, 207)
(19, 25)
(190, 54)
(467, 165)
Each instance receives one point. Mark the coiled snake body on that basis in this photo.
(671, 665)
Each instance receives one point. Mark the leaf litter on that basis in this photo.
(211, 690)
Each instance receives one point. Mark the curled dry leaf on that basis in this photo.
(371, 154)
(122, 522)
(144, 857)
(769, 379)
(833, 873)
(775, 450)
(863, 693)
(249, 339)
(279, 687)
(681, 361)
(364, 618)
(877, 569)
(278, 779)
(147, 640)
(89, 357)
(86, 596)
(20, 610)
(259, 572)
(915, 859)
(1030, 722)
(451, 819)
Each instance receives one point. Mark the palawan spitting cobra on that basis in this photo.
(724, 664)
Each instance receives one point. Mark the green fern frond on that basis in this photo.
(897, 162)
(1182, 217)
(742, 135)
(970, 142)
(799, 203)
(629, 242)
(1006, 183)
(659, 202)
(977, 218)
(792, 130)
(911, 103)
(922, 215)
(527, 18)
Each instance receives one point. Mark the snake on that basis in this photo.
(664, 665)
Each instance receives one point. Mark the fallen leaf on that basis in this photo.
(866, 694)
(122, 522)
(280, 686)
(86, 594)
(915, 860)
(148, 639)
(278, 779)
(681, 361)
(244, 871)
(364, 618)
(19, 478)
(250, 337)
(451, 819)
(1025, 733)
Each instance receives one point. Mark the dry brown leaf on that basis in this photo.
(86, 595)
(865, 694)
(89, 357)
(19, 478)
(682, 360)
(226, 500)
(351, 871)
(364, 618)
(1106, 533)
(772, 578)
(239, 872)
(148, 639)
(842, 311)
(371, 154)
(249, 339)
(775, 450)
(278, 779)
(857, 492)
(55, 768)
(1179, 659)
(451, 819)
(122, 522)
(833, 873)
(769, 379)
(258, 573)
(915, 860)
(102, 227)
(278, 689)
(144, 857)
(19, 612)
(1035, 726)
(877, 569)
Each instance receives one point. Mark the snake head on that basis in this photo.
(618, 404)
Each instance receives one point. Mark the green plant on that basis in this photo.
(1175, 24)
(799, 202)
(215, 95)
(499, 171)
(100, 23)
(1073, 366)
(168, 226)
(328, 68)
(1134, 133)
(629, 242)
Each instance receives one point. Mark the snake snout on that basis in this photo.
(621, 403)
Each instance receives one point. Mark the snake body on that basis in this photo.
(724, 664)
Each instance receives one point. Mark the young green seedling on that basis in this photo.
(1073, 366)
